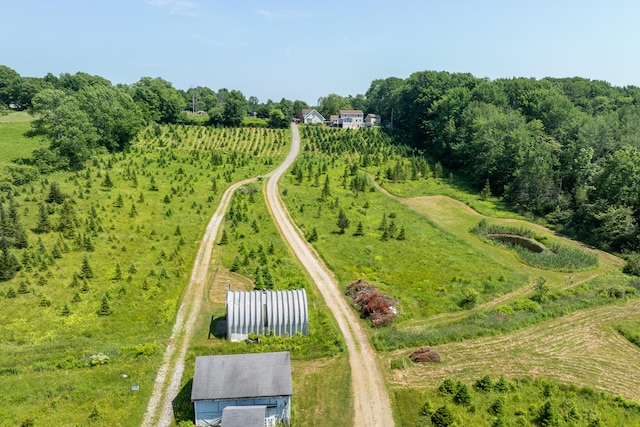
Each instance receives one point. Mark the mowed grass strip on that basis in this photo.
(583, 348)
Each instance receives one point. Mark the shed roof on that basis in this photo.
(242, 375)
(243, 416)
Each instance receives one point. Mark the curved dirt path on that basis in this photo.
(167, 384)
(371, 400)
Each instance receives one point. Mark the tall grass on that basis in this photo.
(510, 317)
(554, 257)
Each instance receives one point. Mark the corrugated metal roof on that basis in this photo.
(265, 312)
(242, 375)
(243, 416)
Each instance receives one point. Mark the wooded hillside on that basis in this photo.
(565, 149)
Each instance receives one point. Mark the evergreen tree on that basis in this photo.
(547, 416)
(462, 396)
(11, 293)
(23, 289)
(55, 194)
(44, 222)
(236, 264)
(497, 407)
(105, 308)
(342, 222)
(9, 265)
(85, 271)
(224, 239)
(76, 298)
(401, 234)
(313, 235)
(67, 220)
(359, 229)
(392, 229)
(442, 417)
(326, 189)
(133, 212)
(118, 273)
(65, 310)
(107, 183)
(383, 222)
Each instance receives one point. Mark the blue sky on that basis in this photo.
(305, 50)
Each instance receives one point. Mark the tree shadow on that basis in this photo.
(182, 406)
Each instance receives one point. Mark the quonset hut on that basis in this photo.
(265, 312)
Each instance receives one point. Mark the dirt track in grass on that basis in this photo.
(372, 406)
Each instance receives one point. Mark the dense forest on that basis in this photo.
(566, 150)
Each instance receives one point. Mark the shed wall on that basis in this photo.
(209, 411)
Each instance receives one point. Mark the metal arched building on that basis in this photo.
(266, 312)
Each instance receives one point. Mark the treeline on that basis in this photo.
(80, 113)
(567, 150)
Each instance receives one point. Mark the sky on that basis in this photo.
(305, 50)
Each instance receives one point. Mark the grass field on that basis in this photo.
(139, 230)
(15, 145)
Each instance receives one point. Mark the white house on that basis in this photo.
(311, 117)
(334, 120)
(372, 120)
(351, 119)
(248, 390)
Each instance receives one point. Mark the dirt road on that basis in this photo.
(371, 401)
(167, 384)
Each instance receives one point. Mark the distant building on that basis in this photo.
(248, 390)
(265, 312)
(334, 120)
(311, 117)
(372, 120)
(351, 119)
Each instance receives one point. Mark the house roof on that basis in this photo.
(241, 376)
(243, 416)
(307, 112)
(351, 112)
